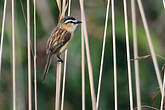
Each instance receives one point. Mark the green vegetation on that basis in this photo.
(47, 18)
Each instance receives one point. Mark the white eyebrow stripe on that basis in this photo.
(70, 20)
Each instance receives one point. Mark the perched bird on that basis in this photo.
(59, 39)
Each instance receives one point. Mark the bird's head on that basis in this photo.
(69, 23)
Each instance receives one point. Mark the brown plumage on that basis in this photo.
(59, 39)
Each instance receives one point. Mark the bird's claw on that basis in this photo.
(60, 60)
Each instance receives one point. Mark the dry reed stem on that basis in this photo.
(128, 55)
(58, 82)
(150, 44)
(69, 7)
(90, 71)
(58, 72)
(135, 48)
(141, 57)
(161, 57)
(58, 69)
(162, 100)
(29, 57)
(59, 5)
(35, 57)
(164, 3)
(63, 5)
(102, 55)
(63, 12)
(63, 84)
(83, 68)
(147, 107)
(23, 11)
(147, 56)
(13, 56)
(163, 68)
(2, 33)
(114, 53)
(65, 62)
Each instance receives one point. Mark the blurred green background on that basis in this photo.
(47, 19)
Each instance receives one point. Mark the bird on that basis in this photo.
(59, 39)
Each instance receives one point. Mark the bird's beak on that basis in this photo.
(78, 22)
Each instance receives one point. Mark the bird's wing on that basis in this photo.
(57, 39)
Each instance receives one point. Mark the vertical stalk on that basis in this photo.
(128, 55)
(63, 5)
(58, 82)
(150, 44)
(164, 3)
(35, 57)
(2, 33)
(65, 61)
(29, 56)
(162, 100)
(13, 55)
(83, 67)
(63, 84)
(93, 97)
(135, 48)
(102, 56)
(114, 53)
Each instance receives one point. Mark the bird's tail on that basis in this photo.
(47, 66)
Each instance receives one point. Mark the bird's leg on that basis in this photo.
(59, 59)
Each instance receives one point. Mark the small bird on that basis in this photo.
(59, 39)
